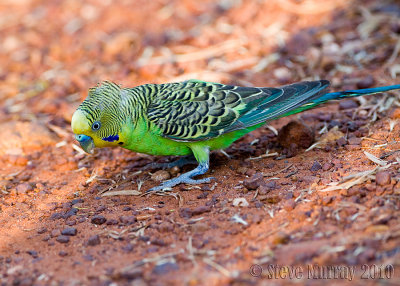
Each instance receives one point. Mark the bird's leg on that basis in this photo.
(202, 156)
(179, 163)
(185, 178)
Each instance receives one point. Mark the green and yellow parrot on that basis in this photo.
(191, 117)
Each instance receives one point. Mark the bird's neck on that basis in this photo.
(134, 104)
(136, 101)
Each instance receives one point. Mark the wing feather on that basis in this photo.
(196, 110)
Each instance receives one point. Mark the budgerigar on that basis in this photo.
(191, 117)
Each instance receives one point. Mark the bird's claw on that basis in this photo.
(176, 181)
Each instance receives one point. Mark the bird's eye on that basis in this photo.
(96, 125)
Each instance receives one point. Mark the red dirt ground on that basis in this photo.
(273, 204)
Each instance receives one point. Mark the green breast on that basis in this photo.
(140, 138)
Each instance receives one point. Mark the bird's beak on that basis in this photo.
(86, 142)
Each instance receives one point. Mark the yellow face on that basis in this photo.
(88, 134)
(101, 118)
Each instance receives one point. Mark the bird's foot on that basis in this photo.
(186, 178)
(178, 163)
(182, 179)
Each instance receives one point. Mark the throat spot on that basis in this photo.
(111, 138)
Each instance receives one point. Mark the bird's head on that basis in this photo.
(99, 119)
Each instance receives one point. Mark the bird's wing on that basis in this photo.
(195, 110)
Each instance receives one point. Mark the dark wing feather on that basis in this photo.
(195, 110)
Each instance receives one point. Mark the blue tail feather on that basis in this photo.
(356, 92)
(321, 98)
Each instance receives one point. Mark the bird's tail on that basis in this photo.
(319, 99)
(355, 93)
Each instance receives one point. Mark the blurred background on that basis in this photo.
(51, 52)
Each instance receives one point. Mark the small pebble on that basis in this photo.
(289, 205)
(26, 177)
(93, 240)
(166, 227)
(24, 188)
(165, 268)
(55, 232)
(98, 219)
(88, 257)
(62, 239)
(354, 141)
(158, 242)
(42, 230)
(131, 273)
(70, 231)
(160, 175)
(242, 170)
(352, 147)
(70, 222)
(199, 227)
(63, 253)
(366, 82)
(76, 201)
(112, 221)
(341, 141)
(289, 195)
(127, 248)
(200, 210)
(325, 117)
(316, 167)
(271, 185)
(71, 212)
(32, 253)
(203, 195)
(347, 104)
(128, 219)
(56, 215)
(395, 27)
(254, 182)
(300, 43)
(270, 198)
(327, 166)
(282, 74)
(333, 123)
(383, 178)
(81, 219)
(101, 209)
(144, 238)
(66, 205)
(263, 190)
(174, 170)
(185, 213)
